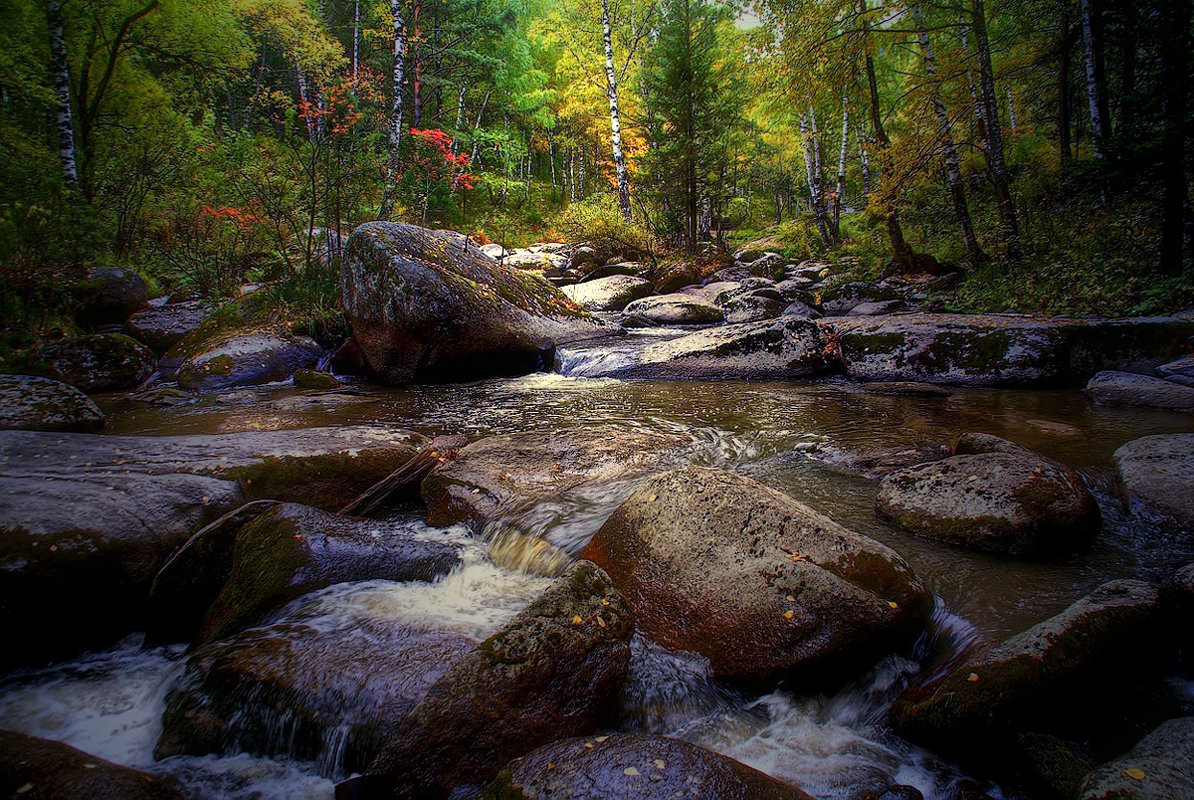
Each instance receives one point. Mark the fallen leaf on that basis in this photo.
(576, 620)
(972, 677)
(28, 787)
(789, 614)
(659, 763)
(601, 622)
(89, 765)
(631, 771)
(791, 599)
(1135, 773)
(600, 738)
(893, 604)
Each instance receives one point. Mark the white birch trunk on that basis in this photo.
(60, 73)
(615, 122)
(1098, 131)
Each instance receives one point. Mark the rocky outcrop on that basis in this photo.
(1015, 502)
(552, 672)
(110, 294)
(608, 294)
(1048, 677)
(1156, 474)
(165, 326)
(101, 362)
(672, 309)
(993, 350)
(753, 308)
(840, 298)
(31, 403)
(423, 307)
(760, 584)
(40, 769)
(632, 766)
(246, 358)
(1160, 767)
(1130, 389)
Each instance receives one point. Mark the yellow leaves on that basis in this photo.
(972, 677)
(893, 604)
(789, 614)
(631, 771)
(576, 620)
(600, 622)
(1135, 773)
(796, 558)
(600, 738)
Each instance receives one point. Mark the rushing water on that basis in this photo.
(820, 442)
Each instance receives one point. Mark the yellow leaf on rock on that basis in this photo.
(659, 763)
(630, 771)
(1135, 773)
(893, 604)
(576, 620)
(600, 738)
(972, 677)
(789, 614)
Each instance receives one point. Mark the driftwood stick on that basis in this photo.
(412, 471)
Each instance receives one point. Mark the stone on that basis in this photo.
(674, 309)
(40, 769)
(247, 358)
(904, 389)
(633, 269)
(100, 362)
(109, 295)
(32, 403)
(760, 584)
(877, 308)
(1130, 389)
(608, 294)
(768, 265)
(842, 297)
(1013, 503)
(633, 766)
(162, 328)
(494, 250)
(553, 672)
(752, 308)
(315, 379)
(422, 308)
(1157, 476)
(1179, 371)
(675, 276)
(1160, 767)
(584, 256)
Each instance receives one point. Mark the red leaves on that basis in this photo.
(242, 218)
(434, 156)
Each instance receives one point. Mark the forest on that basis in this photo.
(1039, 146)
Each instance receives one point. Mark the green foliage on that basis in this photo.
(599, 222)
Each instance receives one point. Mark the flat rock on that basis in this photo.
(1157, 476)
(32, 403)
(841, 298)
(1130, 389)
(608, 294)
(1160, 767)
(163, 327)
(674, 309)
(752, 308)
(41, 769)
(1179, 371)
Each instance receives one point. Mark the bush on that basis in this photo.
(599, 222)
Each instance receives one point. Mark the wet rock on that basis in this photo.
(1160, 767)
(674, 277)
(1018, 503)
(899, 792)
(876, 309)
(904, 389)
(801, 310)
(100, 362)
(110, 294)
(349, 359)
(760, 584)
(1052, 767)
(752, 308)
(501, 475)
(247, 358)
(553, 672)
(315, 379)
(531, 260)
(1179, 371)
(873, 460)
(1130, 389)
(632, 269)
(1157, 476)
(162, 328)
(674, 309)
(631, 766)
(842, 297)
(584, 256)
(775, 349)
(717, 292)
(608, 294)
(1047, 678)
(423, 308)
(234, 571)
(32, 403)
(993, 350)
(41, 769)
(494, 250)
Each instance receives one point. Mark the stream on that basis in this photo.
(821, 442)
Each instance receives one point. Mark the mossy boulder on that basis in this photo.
(100, 362)
(633, 766)
(1156, 474)
(33, 403)
(672, 309)
(1159, 767)
(110, 294)
(315, 379)
(1129, 389)
(753, 307)
(40, 769)
(1018, 503)
(840, 298)
(608, 294)
(425, 306)
(673, 276)
(553, 672)
(760, 584)
(247, 358)
(1047, 679)
(165, 326)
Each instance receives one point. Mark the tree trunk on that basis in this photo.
(1175, 64)
(812, 173)
(995, 163)
(356, 39)
(615, 122)
(417, 99)
(1063, 90)
(1094, 84)
(60, 74)
(839, 194)
(394, 165)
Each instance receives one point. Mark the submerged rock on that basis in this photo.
(424, 307)
(100, 362)
(1044, 679)
(1157, 476)
(672, 309)
(760, 584)
(110, 294)
(608, 294)
(1014, 502)
(554, 671)
(315, 379)
(163, 327)
(1130, 389)
(1160, 767)
(40, 769)
(246, 358)
(633, 766)
(32, 403)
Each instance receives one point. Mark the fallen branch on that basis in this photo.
(414, 470)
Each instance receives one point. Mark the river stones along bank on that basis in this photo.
(1130, 389)
(611, 293)
(553, 672)
(40, 769)
(671, 309)
(100, 362)
(760, 584)
(32, 403)
(633, 766)
(424, 306)
(246, 358)
(1157, 476)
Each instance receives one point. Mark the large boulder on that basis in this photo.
(1129, 389)
(608, 294)
(675, 276)
(994, 350)
(165, 326)
(503, 475)
(770, 350)
(753, 308)
(110, 294)
(32, 403)
(1044, 679)
(842, 297)
(423, 307)
(1157, 476)
(554, 671)
(1159, 767)
(633, 766)
(247, 358)
(244, 565)
(1014, 502)
(341, 683)
(100, 362)
(760, 584)
(672, 309)
(40, 769)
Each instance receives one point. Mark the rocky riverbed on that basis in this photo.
(907, 557)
